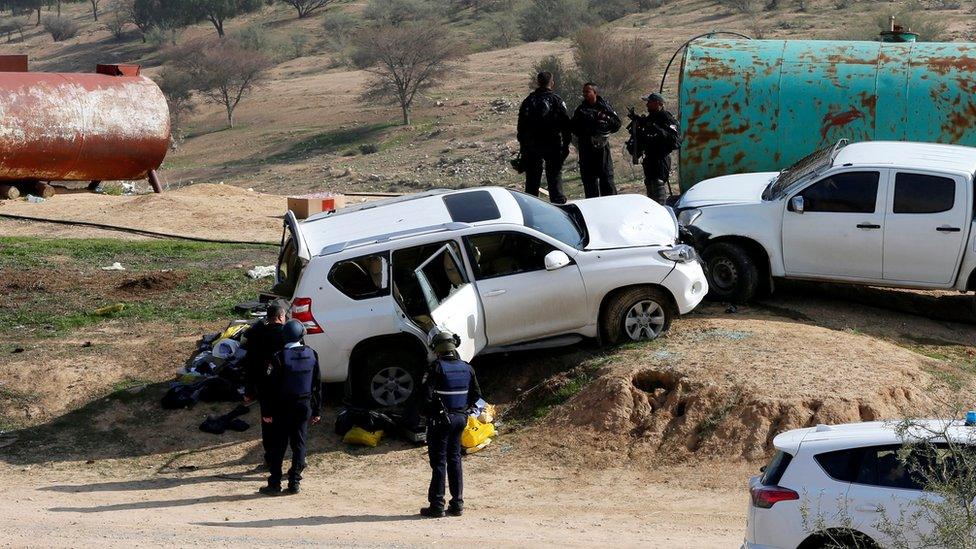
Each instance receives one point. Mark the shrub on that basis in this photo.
(299, 43)
(60, 29)
(339, 27)
(551, 19)
(568, 83)
(502, 30)
(611, 10)
(622, 68)
(398, 12)
(929, 28)
(160, 37)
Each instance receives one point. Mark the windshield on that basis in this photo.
(807, 166)
(550, 220)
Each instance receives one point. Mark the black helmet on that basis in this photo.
(444, 342)
(293, 331)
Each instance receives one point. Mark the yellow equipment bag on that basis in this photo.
(232, 331)
(476, 432)
(362, 437)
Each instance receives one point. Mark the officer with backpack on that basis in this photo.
(544, 137)
(593, 122)
(291, 400)
(450, 389)
(657, 135)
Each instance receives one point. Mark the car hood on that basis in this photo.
(625, 221)
(743, 188)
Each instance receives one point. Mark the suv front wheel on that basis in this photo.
(731, 271)
(636, 314)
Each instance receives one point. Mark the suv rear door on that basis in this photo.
(292, 257)
(926, 226)
(452, 299)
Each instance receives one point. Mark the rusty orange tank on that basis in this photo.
(109, 125)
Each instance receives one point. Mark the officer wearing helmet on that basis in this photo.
(292, 398)
(450, 389)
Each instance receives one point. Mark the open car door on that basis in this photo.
(292, 257)
(452, 299)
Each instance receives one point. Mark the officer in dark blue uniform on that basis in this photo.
(291, 399)
(450, 389)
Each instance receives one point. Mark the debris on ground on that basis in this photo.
(34, 199)
(261, 271)
(109, 309)
(153, 282)
(214, 374)
(114, 267)
(230, 421)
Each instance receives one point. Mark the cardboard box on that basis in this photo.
(308, 205)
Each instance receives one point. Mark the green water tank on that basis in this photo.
(760, 105)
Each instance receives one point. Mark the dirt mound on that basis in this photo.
(724, 388)
(153, 282)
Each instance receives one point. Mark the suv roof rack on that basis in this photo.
(377, 204)
(342, 246)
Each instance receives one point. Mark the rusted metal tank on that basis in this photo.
(760, 105)
(109, 125)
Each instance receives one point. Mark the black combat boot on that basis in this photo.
(455, 509)
(432, 512)
(272, 489)
(294, 487)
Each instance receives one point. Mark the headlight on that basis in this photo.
(682, 253)
(687, 217)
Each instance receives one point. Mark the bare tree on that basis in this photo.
(404, 61)
(306, 7)
(177, 86)
(118, 19)
(221, 70)
(217, 11)
(94, 6)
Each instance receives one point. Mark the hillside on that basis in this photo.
(303, 129)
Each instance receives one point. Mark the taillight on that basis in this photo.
(765, 497)
(301, 310)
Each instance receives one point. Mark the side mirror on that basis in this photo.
(556, 259)
(796, 204)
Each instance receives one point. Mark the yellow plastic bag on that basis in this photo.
(362, 437)
(232, 331)
(488, 414)
(478, 447)
(476, 432)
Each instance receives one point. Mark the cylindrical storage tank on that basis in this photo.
(760, 105)
(81, 127)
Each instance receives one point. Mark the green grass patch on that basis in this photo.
(577, 379)
(707, 427)
(65, 298)
(327, 142)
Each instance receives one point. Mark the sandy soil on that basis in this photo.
(510, 502)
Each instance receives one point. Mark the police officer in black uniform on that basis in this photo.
(657, 136)
(291, 400)
(262, 341)
(593, 122)
(544, 137)
(450, 389)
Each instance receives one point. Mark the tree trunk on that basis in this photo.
(230, 117)
(95, 11)
(38, 17)
(406, 114)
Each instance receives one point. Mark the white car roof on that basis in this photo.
(950, 158)
(399, 215)
(871, 433)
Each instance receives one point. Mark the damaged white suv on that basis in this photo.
(501, 269)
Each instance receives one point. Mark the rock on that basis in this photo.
(374, 177)
(438, 103)
(465, 103)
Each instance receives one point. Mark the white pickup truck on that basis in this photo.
(892, 214)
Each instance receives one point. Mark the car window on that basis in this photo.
(842, 465)
(851, 192)
(471, 207)
(506, 253)
(440, 276)
(363, 277)
(773, 472)
(916, 193)
(881, 466)
(549, 220)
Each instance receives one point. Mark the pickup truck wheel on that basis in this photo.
(731, 271)
(386, 378)
(638, 314)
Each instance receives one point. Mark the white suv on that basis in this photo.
(502, 269)
(843, 486)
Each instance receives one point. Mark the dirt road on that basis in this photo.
(373, 502)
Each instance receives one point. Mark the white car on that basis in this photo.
(890, 214)
(843, 486)
(502, 269)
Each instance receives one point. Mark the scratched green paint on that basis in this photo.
(760, 105)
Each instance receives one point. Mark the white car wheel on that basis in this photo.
(645, 320)
(391, 386)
